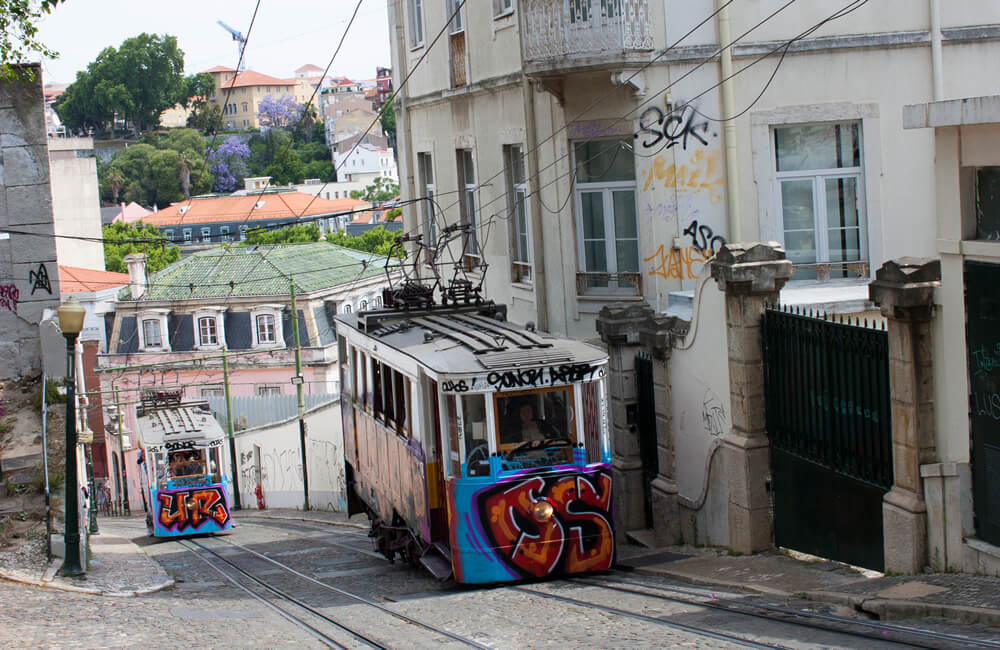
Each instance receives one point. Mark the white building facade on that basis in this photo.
(365, 163)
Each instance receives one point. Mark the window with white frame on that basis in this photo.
(425, 169)
(517, 213)
(224, 233)
(363, 305)
(243, 233)
(209, 328)
(415, 11)
(213, 391)
(206, 234)
(820, 189)
(607, 227)
(347, 308)
(502, 8)
(454, 7)
(267, 390)
(266, 324)
(152, 326)
(467, 206)
(187, 234)
(208, 332)
(168, 234)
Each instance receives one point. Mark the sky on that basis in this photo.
(285, 36)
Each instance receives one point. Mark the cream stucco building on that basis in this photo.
(239, 94)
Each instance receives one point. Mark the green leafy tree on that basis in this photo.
(389, 117)
(383, 189)
(302, 232)
(155, 170)
(378, 240)
(198, 88)
(136, 82)
(207, 118)
(286, 168)
(19, 37)
(122, 239)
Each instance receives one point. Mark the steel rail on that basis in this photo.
(319, 634)
(830, 618)
(718, 636)
(361, 599)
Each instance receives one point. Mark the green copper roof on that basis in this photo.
(260, 271)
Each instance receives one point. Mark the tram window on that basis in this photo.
(399, 402)
(187, 467)
(591, 422)
(537, 421)
(451, 412)
(388, 411)
(477, 449)
(215, 464)
(363, 379)
(354, 385)
(161, 472)
(377, 388)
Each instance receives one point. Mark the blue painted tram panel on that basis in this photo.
(185, 463)
(478, 448)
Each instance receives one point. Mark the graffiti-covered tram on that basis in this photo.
(183, 466)
(477, 447)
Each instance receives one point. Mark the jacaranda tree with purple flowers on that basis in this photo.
(279, 111)
(228, 163)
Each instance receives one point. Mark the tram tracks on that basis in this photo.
(302, 613)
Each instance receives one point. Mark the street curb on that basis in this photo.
(704, 582)
(315, 521)
(895, 609)
(51, 584)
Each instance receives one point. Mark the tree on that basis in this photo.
(382, 190)
(114, 180)
(206, 118)
(286, 168)
(184, 164)
(154, 170)
(279, 112)
(228, 162)
(136, 82)
(198, 88)
(18, 38)
(389, 117)
(121, 239)
(378, 240)
(300, 232)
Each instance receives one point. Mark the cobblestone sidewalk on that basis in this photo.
(118, 567)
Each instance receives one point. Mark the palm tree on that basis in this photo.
(185, 163)
(115, 180)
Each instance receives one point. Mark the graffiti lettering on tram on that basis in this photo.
(180, 446)
(575, 536)
(455, 386)
(186, 509)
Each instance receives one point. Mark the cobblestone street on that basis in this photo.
(206, 609)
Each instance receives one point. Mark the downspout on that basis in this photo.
(937, 65)
(537, 233)
(729, 127)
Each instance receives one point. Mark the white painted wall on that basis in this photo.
(76, 206)
(699, 395)
(281, 462)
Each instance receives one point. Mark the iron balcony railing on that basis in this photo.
(558, 28)
(609, 284)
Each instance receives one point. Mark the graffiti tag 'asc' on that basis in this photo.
(576, 538)
(191, 508)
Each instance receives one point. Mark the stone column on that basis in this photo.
(619, 329)
(657, 335)
(751, 276)
(904, 291)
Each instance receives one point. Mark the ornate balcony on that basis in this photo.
(567, 35)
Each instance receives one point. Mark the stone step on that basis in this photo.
(641, 537)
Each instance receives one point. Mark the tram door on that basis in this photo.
(436, 495)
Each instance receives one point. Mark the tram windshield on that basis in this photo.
(537, 427)
(187, 468)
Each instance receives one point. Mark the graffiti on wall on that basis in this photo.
(9, 296)
(702, 173)
(672, 128)
(576, 537)
(703, 238)
(677, 263)
(40, 280)
(713, 414)
(190, 509)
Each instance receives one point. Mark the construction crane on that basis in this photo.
(238, 37)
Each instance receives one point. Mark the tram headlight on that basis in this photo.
(542, 511)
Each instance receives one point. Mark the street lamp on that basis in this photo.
(71, 314)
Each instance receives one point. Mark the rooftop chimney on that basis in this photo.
(136, 263)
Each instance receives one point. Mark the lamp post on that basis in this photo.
(71, 315)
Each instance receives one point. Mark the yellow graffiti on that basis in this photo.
(677, 263)
(701, 173)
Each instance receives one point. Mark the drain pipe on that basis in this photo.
(937, 65)
(729, 127)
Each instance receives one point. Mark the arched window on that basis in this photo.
(377, 301)
(363, 306)
(347, 309)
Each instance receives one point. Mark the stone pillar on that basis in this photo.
(619, 329)
(751, 276)
(657, 335)
(904, 291)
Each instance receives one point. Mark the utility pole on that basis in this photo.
(229, 430)
(298, 381)
(123, 505)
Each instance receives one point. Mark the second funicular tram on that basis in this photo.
(479, 448)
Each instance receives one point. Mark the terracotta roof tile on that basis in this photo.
(220, 68)
(73, 279)
(277, 206)
(252, 78)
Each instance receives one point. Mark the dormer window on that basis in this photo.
(258, 205)
(265, 322)
(209, 328)
(152, 326)
(183, 209)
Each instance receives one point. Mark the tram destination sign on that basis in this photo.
(523, 378)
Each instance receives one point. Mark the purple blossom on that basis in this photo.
(228, 163)
(281, 111)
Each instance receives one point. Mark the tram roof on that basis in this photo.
(186, 422)
(469, 340)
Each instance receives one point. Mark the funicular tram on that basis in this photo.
(478, 448)
(184, 466)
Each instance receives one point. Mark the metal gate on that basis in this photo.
(645, 421)
(829, 425)
(982, 306)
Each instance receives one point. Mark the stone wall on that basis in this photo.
(29, 277)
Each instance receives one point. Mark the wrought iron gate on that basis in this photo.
(645, 421)
(829, 425)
